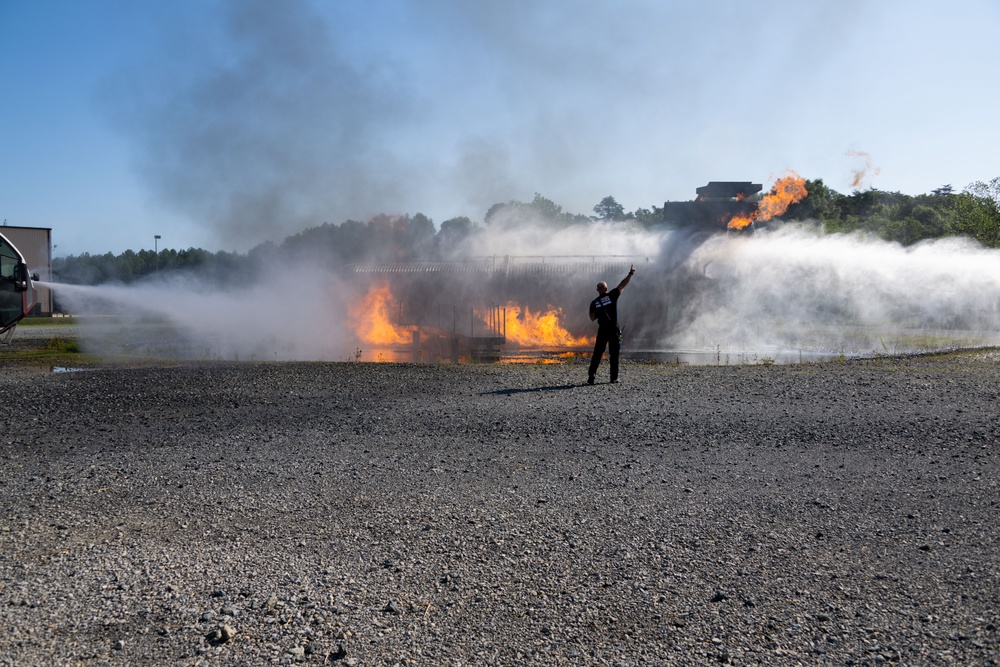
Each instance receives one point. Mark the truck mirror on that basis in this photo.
(21, 277)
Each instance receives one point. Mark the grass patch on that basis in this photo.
(61, 346)
(55, 351)
(49, 322)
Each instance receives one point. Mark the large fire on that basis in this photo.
(372, 318)
(535, 330)
(786, 191)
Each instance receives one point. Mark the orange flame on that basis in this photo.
(545, 329)
(372, 318)
(740, 221)
(786, 191)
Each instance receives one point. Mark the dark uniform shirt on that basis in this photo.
(605, 307)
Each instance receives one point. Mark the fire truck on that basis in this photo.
(17, 293)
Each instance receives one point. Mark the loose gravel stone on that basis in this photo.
(316, 513)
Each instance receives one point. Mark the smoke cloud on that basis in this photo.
(281, 317)
(789, 292)
(262, 119)
(272, 130)
(863, 176)
(793, 289)
(255, 120)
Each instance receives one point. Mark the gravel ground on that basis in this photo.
(378, 514)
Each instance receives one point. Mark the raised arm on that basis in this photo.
(624, 282)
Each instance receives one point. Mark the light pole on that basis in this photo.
(156, 251)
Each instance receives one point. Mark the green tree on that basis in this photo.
(418, 238)
(989, 190)
(609, 209)
(922, 223)
(453, 233)
(540, 208)
(546, 208)
(978, 212)
(820, 203)
(648, 216)
(493, 211)
(350, 242)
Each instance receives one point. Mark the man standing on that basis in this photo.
(604, 310)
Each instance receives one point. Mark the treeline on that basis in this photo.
(905, 219)
(384, 238)
(893, 216)
(87, 269)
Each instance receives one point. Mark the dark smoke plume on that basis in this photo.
(268, 132)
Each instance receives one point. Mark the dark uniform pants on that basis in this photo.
(607, 337)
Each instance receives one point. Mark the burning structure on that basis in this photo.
(472, 306)
(734, 205)
(716, 204)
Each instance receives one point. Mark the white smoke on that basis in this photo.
(794, 289)
(788, 292)
(515, 233)
(283, 317)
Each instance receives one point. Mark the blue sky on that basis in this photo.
(224, 123)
